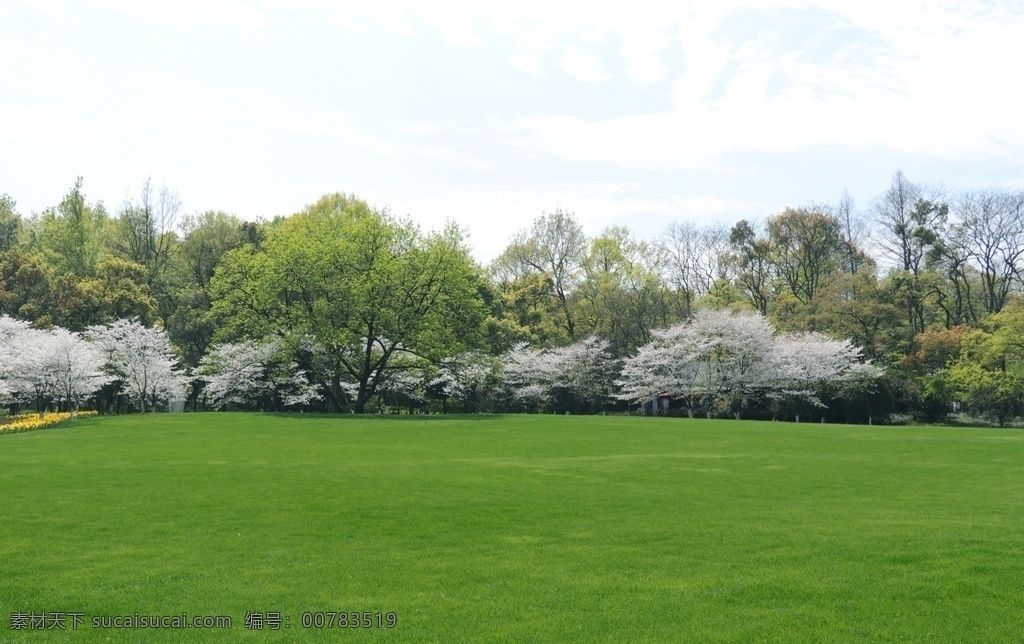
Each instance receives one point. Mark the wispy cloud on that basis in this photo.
(456, 108)
(338, 126)
(875, 85)
(52, 7)
(187, 13)
(582, 65)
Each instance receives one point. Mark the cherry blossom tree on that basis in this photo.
(586, 374)
(717, 357)
(805, 363)
(724, 359)
(27, 371)
(12, 336)
(245, 373)
(527, 376)
(463, 377)
(141, 359)
(578, 376)
(399, 385)
(47, 365)
(75, 366)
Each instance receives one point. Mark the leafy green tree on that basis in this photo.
(989, 374)
(71, 237)
(910, 233)
(207, 237)
(622, 296)
(10, 223)
(26, 287)
(807, 250)
(351, 288)
(118, 291)
(751, 261)
(524, 309)
(146, 236)
(987, 391)
(554, 245)
(29, 290)
(927, 390)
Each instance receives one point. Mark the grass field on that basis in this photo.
(516, 528)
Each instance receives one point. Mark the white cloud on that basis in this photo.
(335, 125)
(187, 13)
(52, 7)
(889, 89)
(391, 15)
(693, 85)
(527, 61)
(455, 25)
(582, 65)
(44, 126)
(641, 49)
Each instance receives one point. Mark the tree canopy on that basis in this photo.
(350, 287)
(344, 306)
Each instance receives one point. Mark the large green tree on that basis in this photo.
(146, 235)
(207, 237)
(10, 223)
(352, 288)
(554, 245)
(72, 235)
(622, 296)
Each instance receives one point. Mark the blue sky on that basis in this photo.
(635, 114)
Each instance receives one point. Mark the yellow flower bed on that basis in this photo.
(29, 422)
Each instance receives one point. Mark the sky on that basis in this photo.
(491, 114)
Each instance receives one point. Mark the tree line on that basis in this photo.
(345, 307)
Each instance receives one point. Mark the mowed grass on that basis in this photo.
(517, 528)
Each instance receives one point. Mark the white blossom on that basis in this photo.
(244, 372)
(13, 337)
(47, 365)
(463, 375)
(580, 373)
(142, 359)
(723, 356)
(806, 361)
(716, 353)
(77, 367)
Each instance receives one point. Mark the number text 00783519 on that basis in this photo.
(343, 619)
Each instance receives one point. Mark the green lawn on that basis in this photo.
(517, 528)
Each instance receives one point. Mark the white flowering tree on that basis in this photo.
(29, 372)
(527, 376)
(807, 363)
(12, 347)
(586, 374)
(662, 366)
(141, 359)
(248, 372)
(578, 376)
(717, 357)
(46, 366)
(463, 377)
(403, 382)
(76, 367)
(724, 359)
